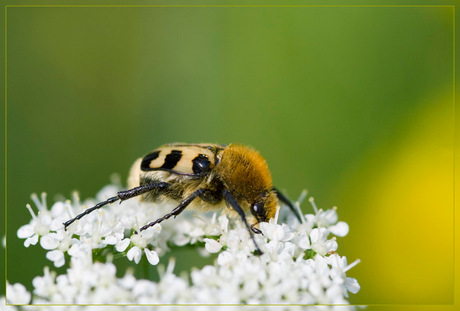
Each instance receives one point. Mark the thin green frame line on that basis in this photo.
(233, 6)
(6, 148)
(229, 6)
(230, 305)
(453, 151)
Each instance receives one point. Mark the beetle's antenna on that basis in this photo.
(91, 209)
(230, 199)
(121, 195)
(286, 201)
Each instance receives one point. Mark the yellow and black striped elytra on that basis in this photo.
(204, 177)
(192, 160)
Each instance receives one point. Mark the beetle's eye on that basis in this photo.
(258, 209)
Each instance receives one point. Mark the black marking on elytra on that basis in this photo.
(201, 164)
(145, 165)
(172, 159)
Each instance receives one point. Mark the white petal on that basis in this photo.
(331, 245)
(303, 241)
(272, 247)
(17, 294)
(139, 240)
(110, 240)
(314, 235)
(31, 241)
(135, 254)
(54, 255)
(288, 251)
(223, 222)
(225, 258)
(315, 288)
(233, 240)
(288, 235)
(196, 232)
(57, 257)
(128, 281)
(152, 257)
(212, 245)
(352, 285)
(49, 241)
(58, 209)
(56, 224)
(59, 263)
(340, 229)
(122, 245)
(144, 288)
(181, 239)
(334, 293)
(279, 232)
(156, 229)
(265, 228)
(309, 218)
(25, 231)
(148, 233)
(272, 231)
(331, 216)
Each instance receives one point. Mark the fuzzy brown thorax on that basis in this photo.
(245, 173)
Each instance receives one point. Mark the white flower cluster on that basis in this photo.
(299, 265)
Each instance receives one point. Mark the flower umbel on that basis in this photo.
(300, 263)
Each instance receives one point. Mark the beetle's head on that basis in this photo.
(264, 208)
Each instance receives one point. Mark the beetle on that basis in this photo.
(204, 177)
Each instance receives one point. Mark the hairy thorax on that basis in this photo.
(244, 172)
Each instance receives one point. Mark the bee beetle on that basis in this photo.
(204, 177)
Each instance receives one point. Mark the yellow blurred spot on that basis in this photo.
(402, 223)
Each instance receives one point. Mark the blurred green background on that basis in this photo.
(353, 104)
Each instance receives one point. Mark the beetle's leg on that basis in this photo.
(121, 195)
(286, 201)
(231, 200)
(131, 193)
(255, 230)
(176, 211)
